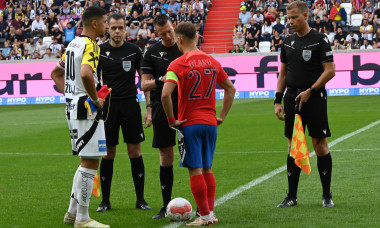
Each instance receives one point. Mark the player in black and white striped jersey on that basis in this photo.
(75, 76)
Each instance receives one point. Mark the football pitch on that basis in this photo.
(37, 168)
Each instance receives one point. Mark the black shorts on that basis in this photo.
(313, 114)
(163, 135)
(125, 113)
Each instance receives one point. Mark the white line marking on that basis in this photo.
(344, 150)
(261, 179)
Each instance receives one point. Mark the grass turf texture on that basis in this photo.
(37, 170)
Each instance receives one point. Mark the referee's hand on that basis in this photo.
(148, 117)
(279, 111)
(303, 97)
(100, 103)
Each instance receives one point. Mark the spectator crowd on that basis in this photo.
(41, 29)
(267, 21)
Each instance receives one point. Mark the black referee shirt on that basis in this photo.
(304, 57)
(118, 67)
(156, 61)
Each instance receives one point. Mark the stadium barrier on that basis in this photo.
(254, 76)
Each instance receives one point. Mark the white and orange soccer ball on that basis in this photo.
(179, 210)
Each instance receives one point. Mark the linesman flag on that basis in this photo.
(95, 187)
(299, 150)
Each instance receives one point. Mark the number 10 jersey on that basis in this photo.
(81, 50)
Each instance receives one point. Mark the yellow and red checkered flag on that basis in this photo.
(299, 150)
(95, 188)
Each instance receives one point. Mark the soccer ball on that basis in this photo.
(179, 209)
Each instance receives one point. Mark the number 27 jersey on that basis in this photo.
(81, 50)
(196, 74)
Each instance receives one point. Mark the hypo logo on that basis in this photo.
(141, 97)
(221, 95)
(16, 100)
(339, 92)
(369, 91)
(45, 100)
(62, 100)
(102, 146)
(257, 94)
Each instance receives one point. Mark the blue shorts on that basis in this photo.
(200, 142)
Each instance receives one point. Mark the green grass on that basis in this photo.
(36, 170)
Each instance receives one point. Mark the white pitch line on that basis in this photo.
(344, 150)
(269, 175)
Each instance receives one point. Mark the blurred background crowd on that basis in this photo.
(350, 24)
(41, 29)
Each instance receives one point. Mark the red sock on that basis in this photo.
(211, 186)
(199, 190)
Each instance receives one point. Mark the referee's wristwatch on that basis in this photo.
(159, 81)
(95, 101)
(148, 105)
(312, 90)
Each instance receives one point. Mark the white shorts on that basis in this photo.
(88, 137)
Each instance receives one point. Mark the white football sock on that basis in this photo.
(73, 199)
(84, 185)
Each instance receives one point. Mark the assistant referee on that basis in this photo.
(118, 64)
(306, 64)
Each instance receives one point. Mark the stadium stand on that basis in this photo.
(264, 46)
(61, 18)
(318, 9)
(356, 20)
(47, 40)
(215, 20)
(219, 25)
(348, 8)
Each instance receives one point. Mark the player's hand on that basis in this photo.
(148, 117)
(219, 120)
(177, 123)
(163, 79)
(279, 111)
(100, 103)
(304, 97)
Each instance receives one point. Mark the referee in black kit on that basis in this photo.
(306, 64)
(156, 61)
(118, 63)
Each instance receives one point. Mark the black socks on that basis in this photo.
(106, 172)
(138, 175)
(325, 167)
(293, 177)
(166, 179)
